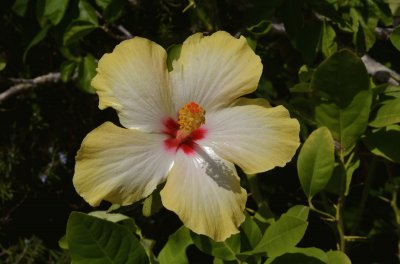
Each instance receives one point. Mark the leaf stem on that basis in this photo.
(339, 209)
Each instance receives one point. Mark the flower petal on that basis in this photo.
(214, 70)
(254, 137)
(133, 79)
(120, 165)
(204, 191)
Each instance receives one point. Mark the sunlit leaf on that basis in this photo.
(316, 161)
(86, 72)
(93, 240)
(337, 257)
(174, 250)
(328, 40)
(395, 38)
(77, 30)
(346, 124)
(284, 234)
(112, 217)
(388, 114)
(174, 52)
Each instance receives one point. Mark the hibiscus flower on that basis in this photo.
(185, 129)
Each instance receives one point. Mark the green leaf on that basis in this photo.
(283, 235)
(86, 72)
(152, 204)
(299, 211)
(346, 124)
(385, 142)
(3, 63)
(55, 10)
(114, 10)
(174, 52)
(87, 12)
(305, 73)
(340, 77)
(20, 6)
(62, 242)
(395, 38)
(316, 161)
(93, 240)
(301, 88)
(174, 250)
(337, 257)
(36, 40)
(388, 114)
(301, 255)
(67, 70)
(328, 43)
(77, 30)
(112, 217)
(250, 234)
(226, 250)
(261, 28)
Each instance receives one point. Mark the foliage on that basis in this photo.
(335, 202)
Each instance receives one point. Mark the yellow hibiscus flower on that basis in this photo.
(186, 128)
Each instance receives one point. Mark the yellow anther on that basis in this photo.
(191, 117)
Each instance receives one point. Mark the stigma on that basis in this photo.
(190, 117)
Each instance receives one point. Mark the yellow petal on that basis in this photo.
(120, 165)
(214, 70)
(204, 191)
(133, 79)
(254, 137)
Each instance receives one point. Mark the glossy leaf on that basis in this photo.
(86, 72)
(55, 10)
(385, 142)
(283, 235)
(328, 40)
(174, 250)
(388, 114)
(346, 124)
(340, 77)
(77, 30)
(67, 70)
(316, 161)
(112, 217)
(395, 38)
(93, 240)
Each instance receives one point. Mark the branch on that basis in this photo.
(21, 85)
(374, 68)
(125, 34)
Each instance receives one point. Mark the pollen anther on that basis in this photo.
(190, 117)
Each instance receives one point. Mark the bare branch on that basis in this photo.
(374, 67)
(125, 34)
(22, 85)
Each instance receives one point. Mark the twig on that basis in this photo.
(22, 85)
(125, 34)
